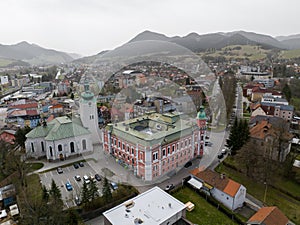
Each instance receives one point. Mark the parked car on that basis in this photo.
(69, 186)
(188, 164)
(59, 170)
(220, 156)
(76, 165)
(207, 143)
(223, 151)
(81, 164)
(77, 200)
(169, 187)
(114, 185)
(86, 179)
(77, 178)
(97, 177)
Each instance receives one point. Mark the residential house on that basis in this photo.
(185, 104)
(270, 98)
(268, 216)
(258, 93)
(7, 196)
(152, 104)
(275, 141)
(247, 90)
(152, 207)
(285, 112)
(268, 83)
(8, 136)
(56, 109)
(227, 191)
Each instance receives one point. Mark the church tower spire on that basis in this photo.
(202, 125)
(89, 113)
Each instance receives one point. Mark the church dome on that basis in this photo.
(87, 94)
(201, 114)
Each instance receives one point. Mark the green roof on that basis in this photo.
(159, 128)
(57, 129)
(201, 114)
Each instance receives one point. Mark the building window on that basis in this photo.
(186, 143)
(168, 150)
(84, 144)
(119, 144)
(132, 150)
(173, 148)
(72, 147)
(32, 147)
(123, 147)
(155, 156)
(177, 146)
(164, 152)
(59, 148)
(50, 150)
(43, 147)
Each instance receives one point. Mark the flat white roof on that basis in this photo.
(153, 207)
(197, 184)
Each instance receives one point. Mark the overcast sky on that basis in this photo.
(90, 26)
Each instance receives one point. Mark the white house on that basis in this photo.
(223, 189)
(153, 207)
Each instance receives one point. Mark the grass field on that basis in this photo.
(5, 62)
(204, 213)
(240, 51)
(290, 54)
(289, 206)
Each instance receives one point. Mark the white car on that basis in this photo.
(86, 179)
(223, 151)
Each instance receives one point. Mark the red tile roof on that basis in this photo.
(218, 181)
(24, 106)
(269, 216)
(232, 188)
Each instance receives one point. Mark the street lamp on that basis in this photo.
(265, 195)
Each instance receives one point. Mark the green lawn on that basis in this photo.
(289, 206)
(204, 213)
(35, 166)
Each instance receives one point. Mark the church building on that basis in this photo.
(64, 137)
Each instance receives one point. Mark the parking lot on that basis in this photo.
(68, 175)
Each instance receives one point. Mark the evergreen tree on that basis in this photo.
(106, 191)
(85, 195)
(245, 132)
(239, 135)
(93, 190)
(287, 92)
(55, 194)
(233, 137)
(20, 137)
(45, 195)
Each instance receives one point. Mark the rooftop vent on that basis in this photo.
(129, 205)
(138, 221)
(170, 205)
